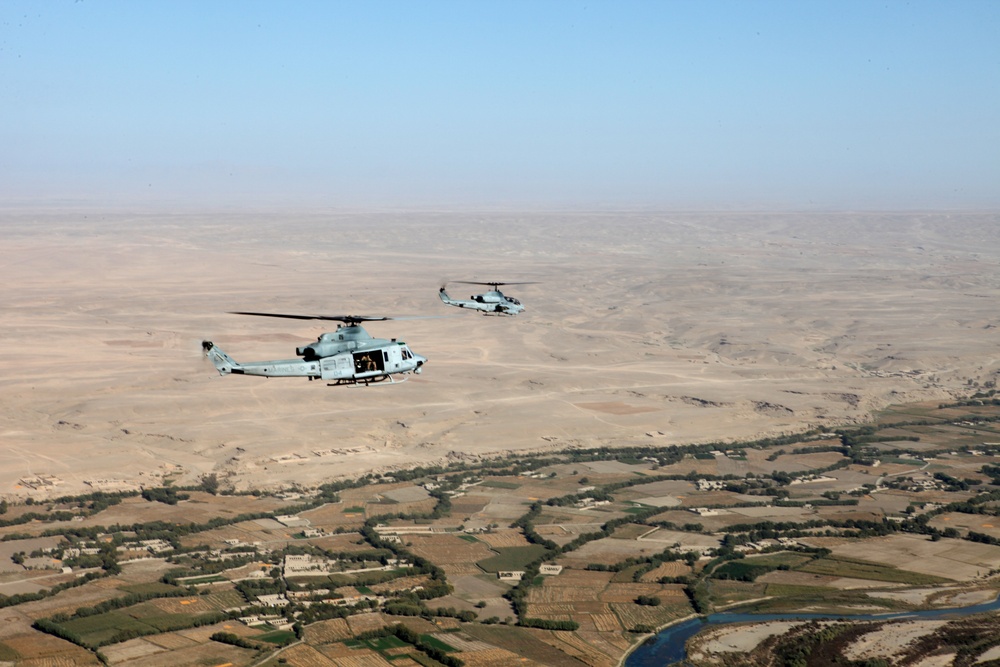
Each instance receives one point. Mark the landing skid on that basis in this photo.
(364, 382)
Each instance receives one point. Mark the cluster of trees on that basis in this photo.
(164, 494)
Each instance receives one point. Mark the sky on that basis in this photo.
(548, 104)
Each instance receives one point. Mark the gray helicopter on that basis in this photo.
(347, 356)
(493, 302)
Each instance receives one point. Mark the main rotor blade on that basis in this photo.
(473, 282)
(333, 318)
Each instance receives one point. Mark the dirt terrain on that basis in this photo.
(642, 328)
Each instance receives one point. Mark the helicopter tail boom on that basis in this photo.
(448, 300)
(222, 361)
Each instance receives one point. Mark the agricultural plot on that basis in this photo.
(35, 648)
(504, 508)
(399, 584)
(807, 579)
(504, 538)
(720, 499)
(845, 567)
(265, 531)
(713, 523)
(447, 549)
(839, 481)
(563, 534)
(512, 558)
(305, 655)
(478, 587)
(945, 559)
(979, 523)
(608, 551)
(952, 437)
(725, 592)
(327, 632)
(332, 516)
(469, 505)
(200, 508)
(527, 644)
(407, 494)
(342, 543)
(623, 470)
(669, 569)
(365, 622)
(630, 531)
(69, 600)
(662, 538)
(531, 489)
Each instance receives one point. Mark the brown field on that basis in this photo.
(327, 632)
(443, 549)
(608, 551)
(364, 622)
(304, 655)
(630, 531)
(69, 600)
(525, 643)
(206, 653)
(491, 657)
(344, 542)
(469, 505)
(503, 538)
(333, 516)
(822, 580)
(989, 525)
(400, 584)
(951, 559)
(44, 650)
(670, 569)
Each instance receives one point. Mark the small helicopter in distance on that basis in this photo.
(347, 356)
(493, 302)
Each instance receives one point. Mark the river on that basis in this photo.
(667, 647)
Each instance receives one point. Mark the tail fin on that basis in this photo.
(444, 296)
(223, 362)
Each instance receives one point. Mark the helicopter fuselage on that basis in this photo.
(490, 303)
(346, 356)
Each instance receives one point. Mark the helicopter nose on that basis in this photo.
(420, 362)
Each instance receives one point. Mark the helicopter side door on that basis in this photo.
(369, 363)
(338, 367)
(393, 358)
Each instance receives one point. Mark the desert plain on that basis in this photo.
(641, 327)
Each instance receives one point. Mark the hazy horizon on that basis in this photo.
(519, 105)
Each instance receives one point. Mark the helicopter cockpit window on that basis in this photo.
(406, 354)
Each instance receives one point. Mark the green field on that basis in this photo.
(278, 637)
(432, 640)
(512, 558)
(858, 569)
(497, 484)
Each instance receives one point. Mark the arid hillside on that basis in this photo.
(641, 327)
